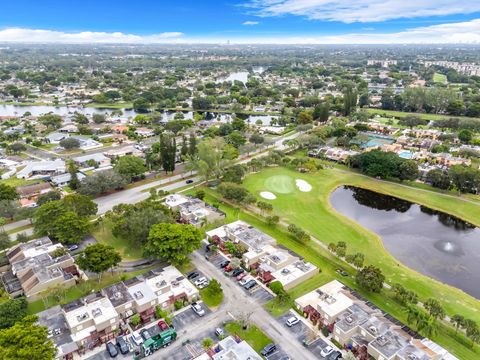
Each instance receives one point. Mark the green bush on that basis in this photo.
(135, 320)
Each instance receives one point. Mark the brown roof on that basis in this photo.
(33, 189)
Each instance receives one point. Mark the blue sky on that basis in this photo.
(241, 21)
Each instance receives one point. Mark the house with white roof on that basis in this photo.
(42, 169)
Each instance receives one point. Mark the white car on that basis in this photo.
(204, 284)
(136, 338)
(292, 321)
(326, 351)
(200, 281)
(245, 280)
(198, 309)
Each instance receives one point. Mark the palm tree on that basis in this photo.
(207, 343)
(457, 321)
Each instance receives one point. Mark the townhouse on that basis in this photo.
(37, 266)
(193, 211)
(363, 328)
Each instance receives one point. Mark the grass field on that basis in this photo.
(328, 264)
(312, 211)
(440, 78)
(129, 252)
(402, 114)
(253, 335)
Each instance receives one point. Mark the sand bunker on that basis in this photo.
(303, 186)
(268, 195)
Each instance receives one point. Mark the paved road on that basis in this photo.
(237, 301)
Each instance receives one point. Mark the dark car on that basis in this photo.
(335, 355)
(122, 345)
(193, 275)
(224, 264)
(189, 181)
(250, 284)
(145, 334)
(269, 349)
(112, 350)
(72, 247)
(237, 272)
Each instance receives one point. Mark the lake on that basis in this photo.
(36, 110)
(433, 243)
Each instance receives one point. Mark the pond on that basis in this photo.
(433, 243)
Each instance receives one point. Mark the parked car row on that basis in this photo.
(120, 346)
(243, 278)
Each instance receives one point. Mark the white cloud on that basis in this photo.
(91, 37)
(464, 32)
(250, 23)
(350, 11)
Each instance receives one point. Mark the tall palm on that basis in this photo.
(457, 321)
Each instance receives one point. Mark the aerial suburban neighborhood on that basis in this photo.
(244, 180)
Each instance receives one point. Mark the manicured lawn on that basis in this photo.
(128, 251)
(401, 114)
(253, 335)
(13, 181)
(440, 78)
(312, 211)
(211, 300)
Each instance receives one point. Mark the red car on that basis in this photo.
(241, 276)
(227, 268)
(163, 325)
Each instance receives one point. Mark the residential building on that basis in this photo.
(42, 169)
(123, 151)
(121, 299)
(327, 302)
(169, 285)
(35, 267)
(91, 320)
(64, 179)
(144, 299)
(243, 233)
(58, 331)
(233, 350)
(29, 193)
(192, 210)
(92, 160)
(144, 132)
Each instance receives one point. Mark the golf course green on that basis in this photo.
(312, 211)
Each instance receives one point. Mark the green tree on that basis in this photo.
(141, 105)
(82, 205)
(439, 179)
(210, 160)
(172, 242)
(304, 117)
(257, 139)
(70, 143)
(49, 196)
(51, 121)
(7, 192)
(192, 144)
(12, 311)
(101, 182)
(272, 220)
(457, 321)
(434, 308)
(168, 152)
(74, 183)
(98, 258)
(130, 167)
(264, 206)
(235, 192)
(26, 341)
(465, 136)
(370, 278)
(207, 343)
(408, 170)
(17, 147)
(236, 139)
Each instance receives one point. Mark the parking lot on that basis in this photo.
(188, 317)
(301, 331)
(258, 293)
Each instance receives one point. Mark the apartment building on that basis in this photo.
(144, 299)
(39, 265)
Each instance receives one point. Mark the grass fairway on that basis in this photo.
(440, 78)
(328, 263)
(402, 114)
(313, 212)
